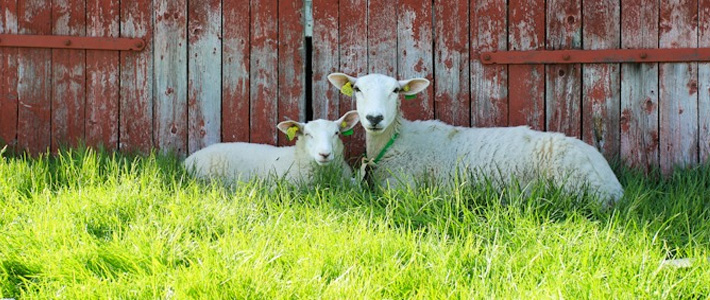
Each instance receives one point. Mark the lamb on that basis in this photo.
(404, 151)
(318, 145)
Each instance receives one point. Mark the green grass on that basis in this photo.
(87, 224)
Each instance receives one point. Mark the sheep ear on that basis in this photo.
(340, 79)
(413, 86)
(348, 120)
(285, 126)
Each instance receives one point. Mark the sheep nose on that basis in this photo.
(324, 155)
(374, 120)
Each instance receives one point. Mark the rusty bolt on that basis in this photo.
(486, 57)
(139, 44)
(566, 57)
(644, 55)
(67, 42)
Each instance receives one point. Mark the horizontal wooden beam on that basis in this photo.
(595, 56)
(71, 42)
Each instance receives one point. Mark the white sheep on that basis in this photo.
(432, 148)
(318, 144)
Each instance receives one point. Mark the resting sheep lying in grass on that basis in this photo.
(318, 145)
(405, 151)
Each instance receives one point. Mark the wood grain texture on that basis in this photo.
(325, 58)
(489, 84)
(170, 71)
(678, 95)
(563, 82)
(205, 73)
(704, 83)
(8, 77)
(292, 72)
(102, 89)
(415, 55)
(601, 82)
(353, 61)
(136, 79)
(451, 62)
(639, 87)
(34, 71)
(68, 76)
(264, 71)
(526, 83)
(382, 37)
(235, 70)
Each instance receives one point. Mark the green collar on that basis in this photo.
(384, 150)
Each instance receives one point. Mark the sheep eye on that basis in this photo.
(355, 88)
(396, 90)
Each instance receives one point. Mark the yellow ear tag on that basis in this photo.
(406, 89)
(347, 89)
(291, 132)
(348, 132)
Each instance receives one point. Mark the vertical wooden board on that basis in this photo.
(136, 79)
(325, 57)
(563, 82)
(102, 97)
(704, 82)
(601, 85)
(68, 75)
(292, 72)
(170, 71)
(204, 78)
(678, 95)
(382, 37)
(264, 71)
(34, 79)
(8, 77)
(526, 83)
(416, 53)
(353, 61)
(639, 86)
(451, 62)
(489, 84)
(235, 70)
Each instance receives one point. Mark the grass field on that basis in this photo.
(87, 224)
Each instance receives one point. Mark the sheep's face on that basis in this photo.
(321, 138)
(377, 97)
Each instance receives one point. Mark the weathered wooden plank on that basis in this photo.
(235, 74)
(382, 37)
(639, 86)
(34, 79)
(264, 71)
(704, 82)
(563, 82)
(102, 97)
(68, 75)
(136, 79)
(292, 72)
(325, 57)
(170, 71)
(8, 77)
(489, 84)
(451, 62)
(204, 79)
(678, 95)
(353, 61)
(415, 59)
(526, 84)
(601, 83)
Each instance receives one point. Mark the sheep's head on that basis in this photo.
(321, 138)
(377, 96)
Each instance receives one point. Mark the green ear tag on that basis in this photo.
(348, 132)
(347, 89)
(291, 132)
(410, 96)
